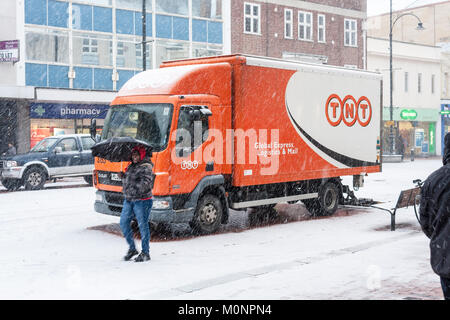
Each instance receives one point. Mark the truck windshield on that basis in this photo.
(148, 122)
(44, 145)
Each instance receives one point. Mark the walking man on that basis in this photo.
(435, 218)
(137, 184)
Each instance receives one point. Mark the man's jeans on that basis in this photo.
(445, 283)
(141, 210)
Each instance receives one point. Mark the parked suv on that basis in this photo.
(53, 157)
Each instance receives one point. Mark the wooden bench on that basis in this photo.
(405, 199)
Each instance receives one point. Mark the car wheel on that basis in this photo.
(88, 179)
(34, 178)
(12, 184)
(208, 215)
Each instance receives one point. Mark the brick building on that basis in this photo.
(323, 31)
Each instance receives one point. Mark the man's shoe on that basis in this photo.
(130, 254)
(142, 257)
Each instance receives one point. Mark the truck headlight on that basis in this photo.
(160, 204)
(10, 164)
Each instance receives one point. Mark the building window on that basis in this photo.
(419, 83)
(321, 28)
(288, 23)
(90, 45)
(305, 26)
(252, 18)
(432, 83)
(406, 81)
(350, 33)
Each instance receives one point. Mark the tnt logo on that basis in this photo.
(349, 111)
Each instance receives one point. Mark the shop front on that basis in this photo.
(414, 131)
(49, 119)
(445, 119)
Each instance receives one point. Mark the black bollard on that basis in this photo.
(412, 154)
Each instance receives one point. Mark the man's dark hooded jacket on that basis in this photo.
(137, 182)
(435, 214)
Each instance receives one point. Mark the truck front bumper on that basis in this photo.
(11, 173)
(111, 203)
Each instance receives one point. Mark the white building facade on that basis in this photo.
(416, 94)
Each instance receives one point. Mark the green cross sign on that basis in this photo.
(39, 110)
(408, 114)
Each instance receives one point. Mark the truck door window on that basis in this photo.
(68, 144)
(87, 142)
(191, 132)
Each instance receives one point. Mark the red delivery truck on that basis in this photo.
(242, 131)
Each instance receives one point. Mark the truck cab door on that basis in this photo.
(192, 132)
(65, 157)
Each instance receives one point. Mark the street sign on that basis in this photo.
(408, 114)
(9, 51)
(445, 112)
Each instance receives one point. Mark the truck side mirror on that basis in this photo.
(93, 129)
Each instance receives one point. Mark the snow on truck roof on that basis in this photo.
(175, 76)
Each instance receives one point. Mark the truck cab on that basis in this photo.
(53, 157)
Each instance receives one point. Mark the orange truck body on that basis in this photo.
(277, 131)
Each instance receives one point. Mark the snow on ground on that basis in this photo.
(50, 251)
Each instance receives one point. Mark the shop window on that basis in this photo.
(124, 76)
(133, 4)
(214, 32)
(166, 50)
(138, 50)
(57, 76)
(83, 78)
(163, 26)
(81, 17)
(36, 12)
(103, 19)
(102, 79)
(124, 21)
(199, 32)
(58, 14)
(47, 47)
(36, 74)
(180, 28)
(207, 9)
(138, 24)
(205, 50)
(172, 6)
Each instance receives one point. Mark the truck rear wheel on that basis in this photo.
(34, 178)
(208, 215)
(327, 202)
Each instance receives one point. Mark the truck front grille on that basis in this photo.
(114, 198)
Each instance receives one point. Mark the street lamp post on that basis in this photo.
(391, 105)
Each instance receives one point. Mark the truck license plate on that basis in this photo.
(115, 177)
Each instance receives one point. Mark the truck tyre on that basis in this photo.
(88, 180)
(34, 178)
(12, 184)
(327, 202)
(208, 215)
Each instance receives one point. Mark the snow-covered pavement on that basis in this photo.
(51, 250)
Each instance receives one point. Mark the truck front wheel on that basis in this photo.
(34, 178)
(208, 215)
